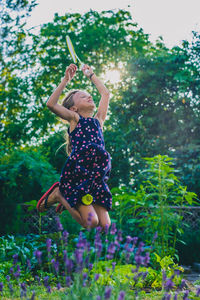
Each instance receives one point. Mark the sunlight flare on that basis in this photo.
(113, 76)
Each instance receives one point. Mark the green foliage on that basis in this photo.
(162, 189)
(123, 274)
(156, 100)
(14, 57)
(22, 246)
(191, 240)
(187, 161)
(148, 209)
(25, 175)
(157, 110)
(69, 223)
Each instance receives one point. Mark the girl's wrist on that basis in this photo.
(90, 76)
(65, 80)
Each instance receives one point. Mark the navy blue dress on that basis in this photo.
(88, 167)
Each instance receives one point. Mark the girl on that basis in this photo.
(82, 188)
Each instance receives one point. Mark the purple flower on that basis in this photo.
(98, 229)
(69, 264)
(155, 237)
(33, 296)
(117, 244)
(136, 276)
(185, 295)
(96, 277)
(121, 295)
(98, 297)
(16, 275)
(168, 285)
(38, 255)
(177, 272)
(129, 249)
(129, 239)
(113, 265)
(23, 286)
(1, 286)
(113, 229)
(146, 258)
(176, 296)
(111, 248)
(65, 255)
(109, 256)
(183, 283)
(68, 281)
(85, 276)
(89, 219)
(138, 260)
(90, 266)
(107, 270)
(59, 225)
(48, 243)
(81, 242)
(119, 236)
(29, 264)
(48, 289)
(15, 258)
(65, 236)
(140, 248)
(46, 280)
(55, 265)
(107, 292)
(98, 244)
(106, 229)
(135, 239)
(11, 270)
(144, 275)
(8, 278)
(11, 288)
(166, 297)
(78, 253)
(58, 286)
(87, 260)
(133, 270)
(198, 291)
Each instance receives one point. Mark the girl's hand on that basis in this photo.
(87, 71)
(70, 72)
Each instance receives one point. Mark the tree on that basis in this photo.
(158, 113)
(14, 55)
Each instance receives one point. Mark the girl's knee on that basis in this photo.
(91, 222)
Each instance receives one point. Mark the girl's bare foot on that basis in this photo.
(51, 199)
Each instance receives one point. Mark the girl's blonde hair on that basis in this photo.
(68, 102)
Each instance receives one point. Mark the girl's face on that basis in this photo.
(83, 100)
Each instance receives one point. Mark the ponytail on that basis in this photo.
(67, 103)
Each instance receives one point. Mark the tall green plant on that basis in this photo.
(149, 208)
(162, 190)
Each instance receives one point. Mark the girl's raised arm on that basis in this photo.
(52, 104)
(104, 92)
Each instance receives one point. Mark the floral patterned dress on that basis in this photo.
(88, 167)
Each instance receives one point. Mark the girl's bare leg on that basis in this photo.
(80, 215)
(103, 216)
(88, 215)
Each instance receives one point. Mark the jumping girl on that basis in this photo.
(82, 188)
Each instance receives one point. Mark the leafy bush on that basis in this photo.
(25, 175)
(82, 272)
(147, 210)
